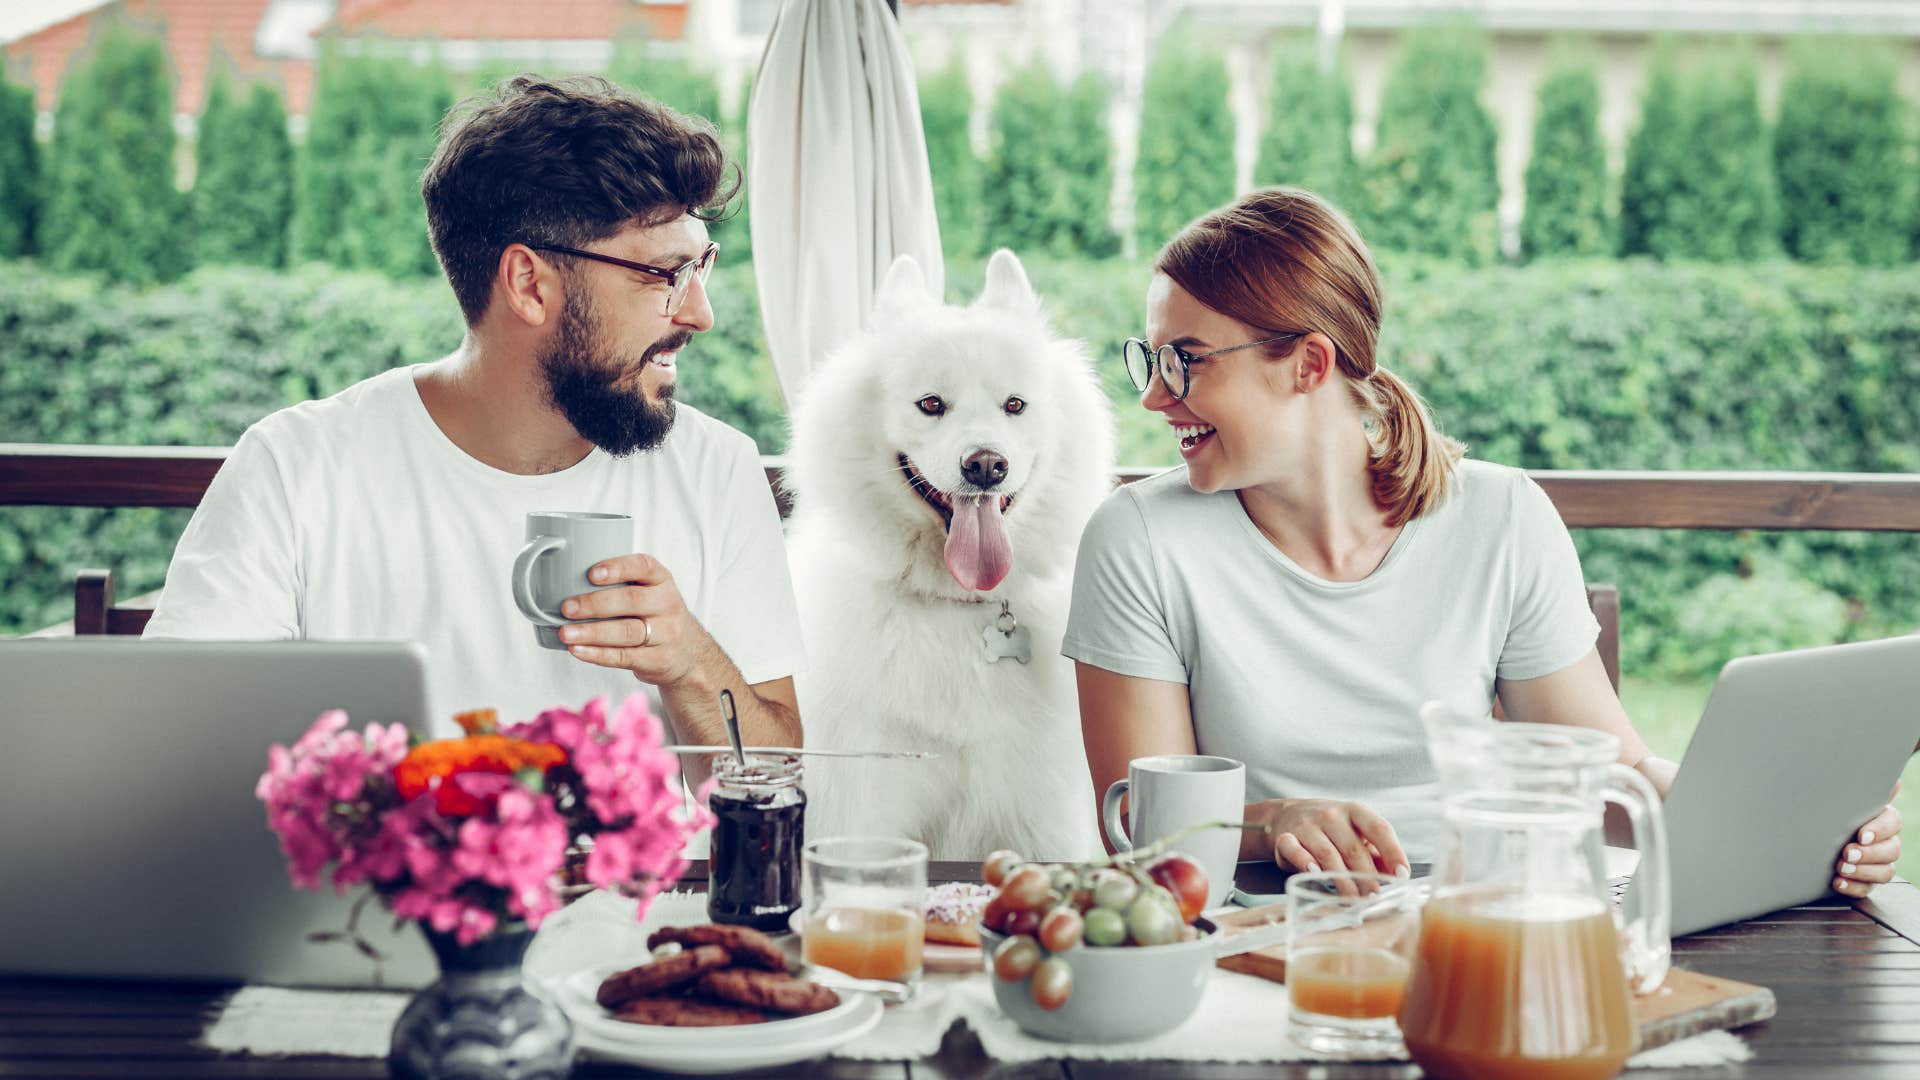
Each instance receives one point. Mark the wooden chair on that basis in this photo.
(94, 611)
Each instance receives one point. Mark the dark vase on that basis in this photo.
(481, 1020)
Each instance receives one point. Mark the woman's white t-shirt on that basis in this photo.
(356, 518)
(1316, 685)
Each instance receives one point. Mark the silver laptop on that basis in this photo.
(1794, 753)
(133, 843)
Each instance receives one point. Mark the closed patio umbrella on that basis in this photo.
(837, 178)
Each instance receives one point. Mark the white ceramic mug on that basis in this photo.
(561, 547)
(1173, 791)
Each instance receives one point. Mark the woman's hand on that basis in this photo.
(1325, 834)
(1868, 860)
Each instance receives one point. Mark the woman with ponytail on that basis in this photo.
(1325, 561)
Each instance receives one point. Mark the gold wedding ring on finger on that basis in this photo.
(647, 639)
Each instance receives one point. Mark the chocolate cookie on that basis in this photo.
(779, 993)
(652, 978)
(687, 1012)
(747, 946)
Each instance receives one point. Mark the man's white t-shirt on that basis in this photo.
(1317, 685)
(356, 518)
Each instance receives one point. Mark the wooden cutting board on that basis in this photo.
(1686, 1004)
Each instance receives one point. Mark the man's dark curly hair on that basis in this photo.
(567, 161)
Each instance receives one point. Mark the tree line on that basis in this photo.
(1705, 175)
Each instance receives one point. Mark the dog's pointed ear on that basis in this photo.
(1007, 286)
(904, 288)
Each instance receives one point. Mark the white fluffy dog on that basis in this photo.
(944, 464)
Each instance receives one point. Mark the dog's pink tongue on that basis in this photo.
(978, 554)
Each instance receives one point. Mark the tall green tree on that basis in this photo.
(1657, 157)
(1308, 141)
(1699, 176)
(19, 170)
(1431, 184)
(111, 202)
(1841, 156)
(1018, 200)
(243, 190)
(1567, 174)
(946, 113)
(1085, 173)
(1186, 163)
(370, 133)
(1732, 211)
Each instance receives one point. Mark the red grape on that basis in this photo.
(1185, 879)
(1052, 983)
(1061, 929)
(995, 869)
(1025, 921)
(994, 915)
(1027, 887)
(1015, 958)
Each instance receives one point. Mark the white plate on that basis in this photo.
(724, 1050)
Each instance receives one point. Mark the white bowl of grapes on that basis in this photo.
(1108, 951)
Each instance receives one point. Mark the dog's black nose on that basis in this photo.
(984, 468)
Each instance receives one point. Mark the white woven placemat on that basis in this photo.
(1241, 1018)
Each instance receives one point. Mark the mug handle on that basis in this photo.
(1649, 902)
(1110, 815)
(523, 579)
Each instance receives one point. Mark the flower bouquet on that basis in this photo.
(470, 837)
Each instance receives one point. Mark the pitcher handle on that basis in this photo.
(523, 579)
(1110, 815)
(1649, 914)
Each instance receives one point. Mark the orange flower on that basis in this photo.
(432, 766)
(478, 721)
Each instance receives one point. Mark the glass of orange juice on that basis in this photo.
(1350, 941)
(864, 902)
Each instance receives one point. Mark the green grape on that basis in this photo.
(1153, 920)
(1114, 889)
(1105, 927)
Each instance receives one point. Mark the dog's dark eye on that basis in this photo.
(932, 405)
(1014, 406)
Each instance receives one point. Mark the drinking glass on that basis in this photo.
(865, 908)
(1350, 941)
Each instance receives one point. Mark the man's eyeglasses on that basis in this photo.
(1173, 362)
(679, 279)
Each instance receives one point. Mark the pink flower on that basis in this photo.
(334, 800)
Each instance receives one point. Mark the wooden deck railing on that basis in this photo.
(109, 476)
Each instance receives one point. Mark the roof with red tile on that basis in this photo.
(198, 32)
(509, 20)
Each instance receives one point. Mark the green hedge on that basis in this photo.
(1841, 154)
(1579, 364)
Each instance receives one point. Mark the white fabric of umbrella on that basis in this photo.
(837, 176)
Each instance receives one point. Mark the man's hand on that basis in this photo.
(646, 626)
(1324, 834)
(1868, 860)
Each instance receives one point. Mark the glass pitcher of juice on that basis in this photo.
(1523, 967)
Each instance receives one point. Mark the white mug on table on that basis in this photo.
(1173, 791)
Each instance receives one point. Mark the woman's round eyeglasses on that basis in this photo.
(1173, 362)
(679, 279)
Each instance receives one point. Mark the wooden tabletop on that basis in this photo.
(1847, 977)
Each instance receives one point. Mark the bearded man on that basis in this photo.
(570, 218)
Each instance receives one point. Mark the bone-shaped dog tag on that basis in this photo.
(1005, 638)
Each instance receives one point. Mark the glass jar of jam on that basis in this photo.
(753, 868)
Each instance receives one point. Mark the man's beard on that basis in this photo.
(580, 383)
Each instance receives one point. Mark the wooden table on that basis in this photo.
(1847, 977)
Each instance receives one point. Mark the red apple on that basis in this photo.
(1182, 877)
